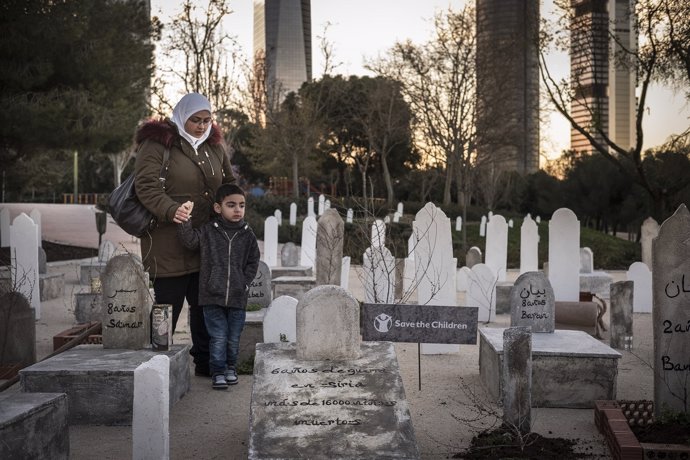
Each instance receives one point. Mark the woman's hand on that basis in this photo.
(183, 213)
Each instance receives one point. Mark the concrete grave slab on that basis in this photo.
(100, 382)
(34, 426)
(329, 409)
(570, 369)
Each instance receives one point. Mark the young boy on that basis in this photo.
(229, 261)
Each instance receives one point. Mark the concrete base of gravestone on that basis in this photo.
(570, 369)
(598, 283)
(51, 286)
(503, 289)
(34, 425)
(277, 272)
(100, 382)
(329, 409)
(88, 307)
(252, 334)
(294, 286)
(89, 271)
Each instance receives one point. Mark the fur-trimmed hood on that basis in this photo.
(165, 132)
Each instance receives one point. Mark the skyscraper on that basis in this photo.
(508, 84)
(603, 80)
(282, 46)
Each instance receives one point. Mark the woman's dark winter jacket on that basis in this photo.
(230, 258)
(192, 176)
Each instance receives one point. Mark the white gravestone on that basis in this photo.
(529, 246)
(671, 313)
(462, 280)
(458, 223)
(538, 220)
(322, 204)
(289, 255)
(349, 216)
(280, 320)
(396, 216)
(35, 215)
(378, 233)
(345, 273)
(489, 216)
(151, 410)
(649, 231)
(510, 223)
(24, 270)
(473, 257)
(326, 205)
(482, 226)
(387, 220)
(434, 270)
(308, 246)
(586, 260)
(481, 292)
(497, 246)
(278, 214)
(293, 214)
(4, 227)
(564, 255)
(310, 206)
(399, 208)
(379, 275)
(271, 241)
(641, 276)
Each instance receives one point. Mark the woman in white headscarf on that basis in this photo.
(198, 164)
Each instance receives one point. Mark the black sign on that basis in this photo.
(419, 323)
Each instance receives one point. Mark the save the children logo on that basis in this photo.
(383, 322)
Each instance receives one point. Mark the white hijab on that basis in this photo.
(189, 105)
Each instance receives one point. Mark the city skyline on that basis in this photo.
(356, 37)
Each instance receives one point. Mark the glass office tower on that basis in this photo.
(282, 46)
(508, 84)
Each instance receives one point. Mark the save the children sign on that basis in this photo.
(419, 323)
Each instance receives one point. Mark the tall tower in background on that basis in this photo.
(508, 84)
(602, 78)
(282, 46)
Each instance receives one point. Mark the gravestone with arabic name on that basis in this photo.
(532, 303)
(329, 395)
(330, 236)
(126, 314)
(260, 292)
(671, 313)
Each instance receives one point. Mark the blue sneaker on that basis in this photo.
(231, 376)
(218, 382)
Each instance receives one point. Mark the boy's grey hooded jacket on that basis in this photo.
(229, 260)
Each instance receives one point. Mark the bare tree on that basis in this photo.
(644, 60)
(438, 80)
(201, 56)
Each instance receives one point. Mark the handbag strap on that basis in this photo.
(164, 168)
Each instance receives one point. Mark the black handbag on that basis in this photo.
(126, 209)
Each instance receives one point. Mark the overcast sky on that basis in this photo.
(366, 28)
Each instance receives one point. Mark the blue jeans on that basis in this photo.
(224, 328)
